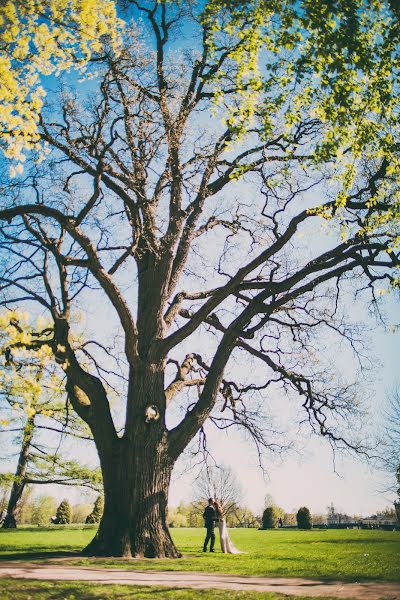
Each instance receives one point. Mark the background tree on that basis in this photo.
(122, 213)
(243, 516)
(304, 519)
(44, 507)
(194, 517)
(177, 517)
(270, 518)
(4, 495)
(272, 513)
(397, 502)
(387, 513)
(289, 519)
(97, 512)
(80, 512)
(390, 442)
(32, 400)
(220, 483)
(318, 519)
(63, 513)
(25, 506)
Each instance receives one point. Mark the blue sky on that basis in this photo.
(309, 477)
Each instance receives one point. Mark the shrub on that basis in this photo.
(304, 519)
(270, 518)
(64, 513)
(175, 519)
(397, 508)
(97, 511)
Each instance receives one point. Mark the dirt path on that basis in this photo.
(177, 579)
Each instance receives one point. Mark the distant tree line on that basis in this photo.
(43, 510)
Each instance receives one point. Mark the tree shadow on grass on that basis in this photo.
(80, 591)
(365, 541)
(39, 555)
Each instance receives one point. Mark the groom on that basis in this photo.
(210, 516)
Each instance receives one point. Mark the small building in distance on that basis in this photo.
(376, 522)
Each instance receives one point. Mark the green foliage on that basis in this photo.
(397, 509)
(193, 515)
(43, 509)
(242, 516)
(270, 518)
(176, 519)
(272, 513)
(80, 512)
(4, 493)
(39, 38)
(97, 512)
(304, 519)
(64, 513)
(53, 468)
(387, 513)
(32, 394)
(289, 519)
(336, 62)
(6, 480)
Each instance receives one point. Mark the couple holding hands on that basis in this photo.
(214, 514)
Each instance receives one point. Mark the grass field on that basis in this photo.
(12, 589)
(346, 555)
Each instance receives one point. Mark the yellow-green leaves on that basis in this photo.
(334, 62)
(27, 380)
(44, 37)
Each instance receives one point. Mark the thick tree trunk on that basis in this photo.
(136, 477)
(135, 508)
(10, 521)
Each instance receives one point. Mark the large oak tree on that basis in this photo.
(178, 188)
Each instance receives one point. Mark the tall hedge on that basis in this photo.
(64, 513)
(304, 519)
(270, 518)
(97, 511)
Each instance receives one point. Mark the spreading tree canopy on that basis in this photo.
(213, 201)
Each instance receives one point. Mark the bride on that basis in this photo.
(227, 546)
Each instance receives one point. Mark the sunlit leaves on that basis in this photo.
(39, 38)
(336, 62)
(28, 380)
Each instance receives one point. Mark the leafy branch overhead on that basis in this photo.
(38, 39)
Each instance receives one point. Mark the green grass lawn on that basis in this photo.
(12, 589)
(346, 555)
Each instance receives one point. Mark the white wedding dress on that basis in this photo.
(227, 546)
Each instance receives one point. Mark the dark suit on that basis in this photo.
(210, 516)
